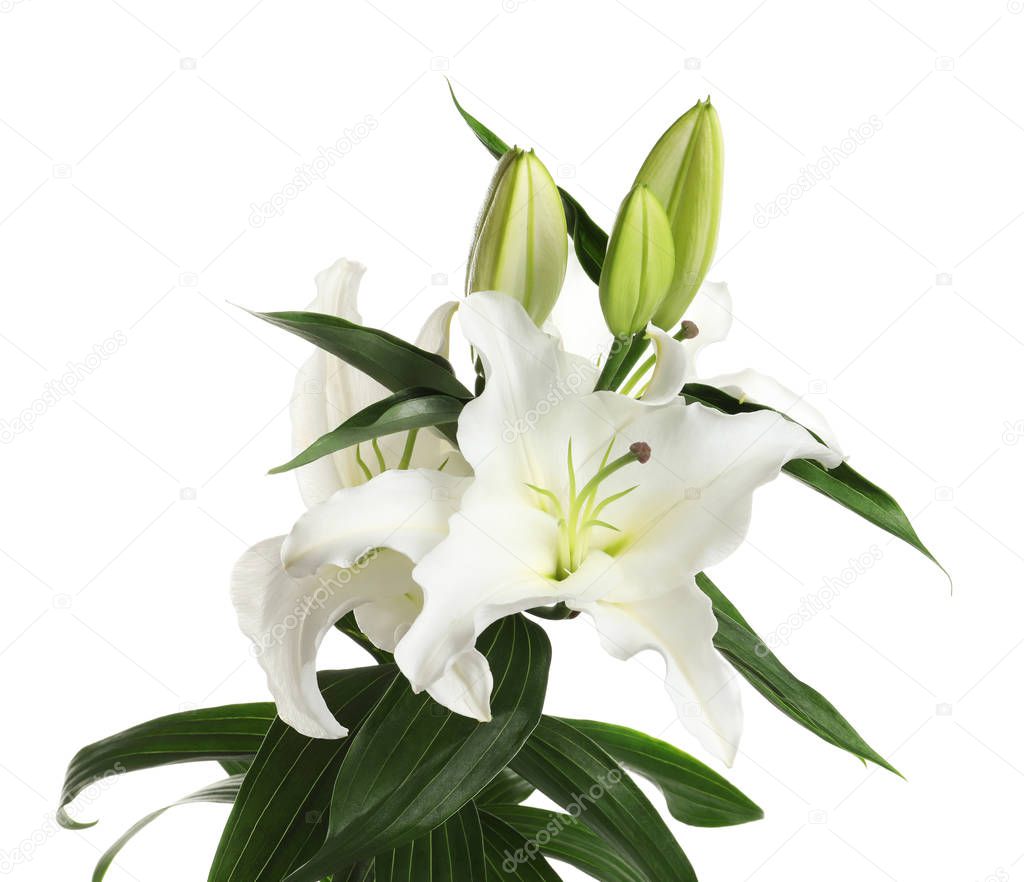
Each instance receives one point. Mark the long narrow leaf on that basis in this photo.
(563, 838)
(695, 794)
(506, 788)
(413, 764)
(750, 655)
(453, 852)
(219, 734)
(390, 360)
(569, 768)
(280, 816)
(509, 856)
(223, 791)
(415, 408)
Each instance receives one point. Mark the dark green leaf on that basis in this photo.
(280, 816)
(361, 872)
(565, 839)
(569, 768)
(415, 408)
(842, 484)
(217, 734)
(413, 763)
(589, 240)
(749, 654)
(222, 791)
(350, 628)
(695, 794)
(453, 852)
(509, 855)
(390, 360)
(505, 788)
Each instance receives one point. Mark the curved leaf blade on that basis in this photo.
(453, 852)
(506, 856)
(506, 788)
(842, 484)
(232, 733)
(280, 815)
(413, 764)
(569, 768)
(415, 408)
(223, 791)
(695, 794)
(750, 655)
(390, 360)
(563, 838)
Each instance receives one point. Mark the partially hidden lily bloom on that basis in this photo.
(288, 618)
(604, 502)
(708, 321)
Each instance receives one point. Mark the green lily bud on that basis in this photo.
(684, 170)
(638, 266)
(521, 245)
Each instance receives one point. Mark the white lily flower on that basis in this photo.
(608, 504)
(287, 618)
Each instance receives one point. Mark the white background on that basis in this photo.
(135, 137)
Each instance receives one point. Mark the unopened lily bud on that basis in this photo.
(638, 265)
(684, 170)
(521, 245)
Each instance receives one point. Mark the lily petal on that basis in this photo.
(693, 507)
(406, 511)
(672, 368)
(750, 385)
(680, 625)
(287, 619)
(711, 312)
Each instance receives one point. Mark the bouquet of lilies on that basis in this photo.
(446, 516)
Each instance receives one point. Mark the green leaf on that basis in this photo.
(280, 816)
(217, 734)
(453, 852)
(695, 794)
(842, 484)
(569, 768)
(361, 872)
(415, 408)
(750, 655)
(413, 763)
(222, 791)
(506, 854)
(589, 240)
(350, 628)
(505, 788)
(390, 360)
(565, 839)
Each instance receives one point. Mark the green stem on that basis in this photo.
(620, 349)
(410, 443)
(636, 349)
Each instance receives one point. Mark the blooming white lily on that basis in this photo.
(608, 504)
(288, 618)
(711, 312)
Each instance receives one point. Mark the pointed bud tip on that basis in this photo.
(641, 450)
